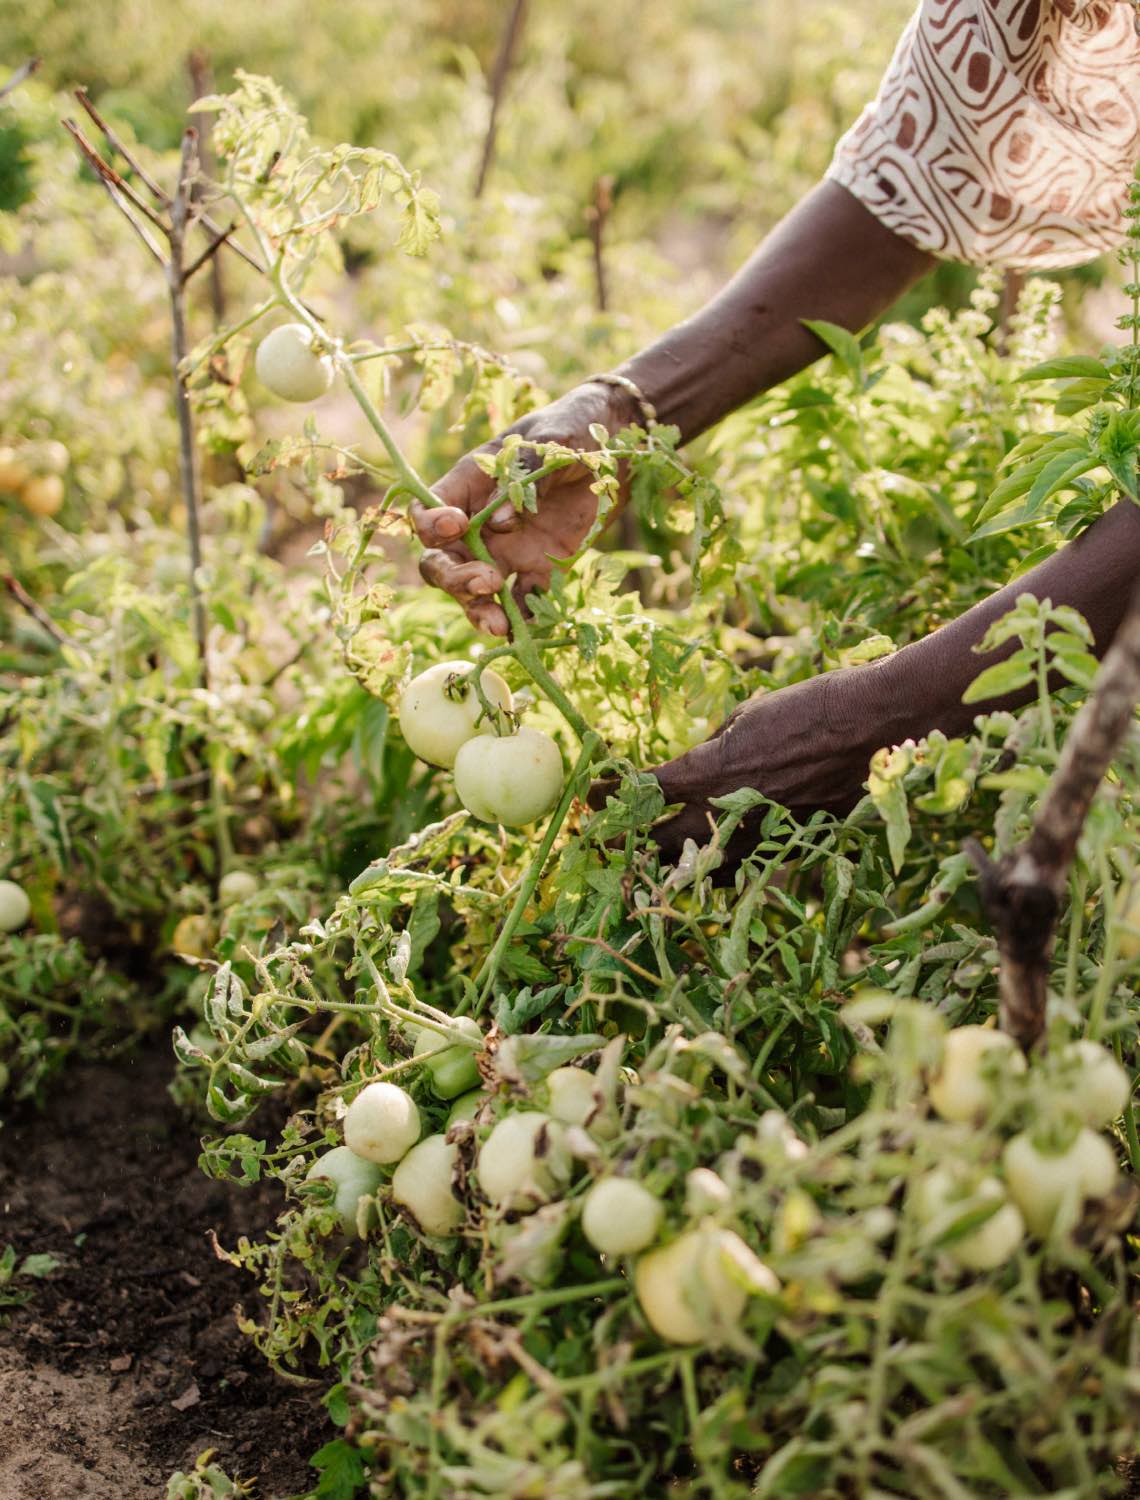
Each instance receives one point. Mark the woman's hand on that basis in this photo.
(806, 746)
(524, 544)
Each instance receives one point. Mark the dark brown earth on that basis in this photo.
(126, 1363)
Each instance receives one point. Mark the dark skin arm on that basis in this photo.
(830, 258)
(808, 745)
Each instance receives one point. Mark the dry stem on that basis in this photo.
(1022, 892)
(511, 33)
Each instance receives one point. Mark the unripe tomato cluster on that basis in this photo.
(34, 476)
(504, 1163)
(1050, 1169)
(512, 779)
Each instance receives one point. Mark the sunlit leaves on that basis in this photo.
(296, 190)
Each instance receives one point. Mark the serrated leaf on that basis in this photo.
(527, 1059)
(341, 1469)
(512, 1014)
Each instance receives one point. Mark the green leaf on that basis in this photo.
(39, 1265)
(512, 1014)
(1060, 472)
(335, 1402)
(1025, 515)
(1078, 395)
(517, 962)
(843, 344)
(995, 682)
(341, 1469)
(891, 803)
(1080, 669)
(527, 1059)
(1066, 367)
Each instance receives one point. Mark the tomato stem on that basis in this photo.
(525, 647)
(407, 478)
(409, 481)
(591, 743)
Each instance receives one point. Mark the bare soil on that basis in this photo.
(127, 1363)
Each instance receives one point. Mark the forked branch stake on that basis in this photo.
(1022, 892)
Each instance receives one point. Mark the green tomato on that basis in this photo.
(422, 1184)
(574, 1098)
(382, 1123)
(694, 1290)
(1096, 1087)
(237, 885)
(571, 1093)
(353, 1178)
(962, 1090)
(14, 471)
(467, 1106)
(1050, 1186)
(440, 712)
(705, 1193)
(43, 494)
(15, 908)
(452, 1070)
(940, 1200)
(509, 779)
(194, 936)
(620, 1217)
(523, 1162)
(287, 365)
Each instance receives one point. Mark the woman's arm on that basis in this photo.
(830, 258)
(808, 745)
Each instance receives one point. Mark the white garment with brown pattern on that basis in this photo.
(1005, 131)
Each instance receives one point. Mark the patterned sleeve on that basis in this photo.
(1005, 131)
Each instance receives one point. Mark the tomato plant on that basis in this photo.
(598, 1174)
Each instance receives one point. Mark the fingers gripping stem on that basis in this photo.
(411, 483)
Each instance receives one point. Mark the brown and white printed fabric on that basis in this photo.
(1005, 132)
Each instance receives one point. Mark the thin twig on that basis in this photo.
(161, 196)
(180, 208)
(175, 784)
(21, 75)
(109, 175)
(1022, 892)
(597, 219)
(283, 667)
(201, 82)
(511, 33)
(208, 254)
(115, 187)
(156, 188)
(596, 216)
(36, 610)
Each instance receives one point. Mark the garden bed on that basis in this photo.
(127, 1362)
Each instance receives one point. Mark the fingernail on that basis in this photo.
(504, 515)
(448, 528)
